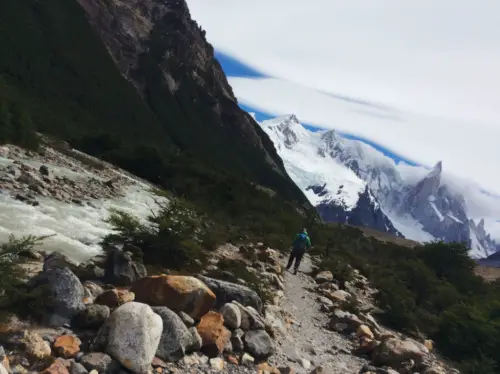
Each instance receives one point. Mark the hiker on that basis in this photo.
(299, 247)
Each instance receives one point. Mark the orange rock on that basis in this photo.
(213, 334)
(233, 360)
(57, 367)
(67, 346)
(177, 292)
(266, 368)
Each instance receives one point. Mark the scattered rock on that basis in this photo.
(213, 333)
(217, 363)
(250, 318)
(100, 362)
(57, 367)
(324, 276)
(134, 335)
(365, 331)
(67, 346)
(121, 270)
(175, 337)
(77, 368)
(179, 293)
(237, 340)
(227, 292)
(93, 316)
(188, 321)
(247, 360)
(394, 352)
(65, 294)
(34, 345)
(115, 297)
(232, 315)
(259, 344)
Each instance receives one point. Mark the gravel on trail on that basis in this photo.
(309, 342)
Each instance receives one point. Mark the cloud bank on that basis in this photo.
(434, 64)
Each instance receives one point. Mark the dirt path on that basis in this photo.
(309, 339)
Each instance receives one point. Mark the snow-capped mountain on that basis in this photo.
(339, 194)
(350, 181)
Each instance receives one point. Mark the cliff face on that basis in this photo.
(163, 52)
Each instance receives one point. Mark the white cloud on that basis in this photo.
(438, 59)
(465, 150)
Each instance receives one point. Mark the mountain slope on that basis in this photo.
(349, 181)
(136, 83)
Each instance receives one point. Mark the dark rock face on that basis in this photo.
(122, 270)
(367, 212)
(163, 52)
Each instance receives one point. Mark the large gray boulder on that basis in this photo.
(176, 339)
(63, 295)
(259, 344)
(227, 292)
(134, 333)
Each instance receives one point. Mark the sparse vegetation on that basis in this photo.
(14, 295)
(430, 289)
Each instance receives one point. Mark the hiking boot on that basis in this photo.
(295, 272)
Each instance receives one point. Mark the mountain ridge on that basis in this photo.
(433, 209)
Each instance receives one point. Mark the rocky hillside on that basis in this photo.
(136, 83)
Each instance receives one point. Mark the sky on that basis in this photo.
(418, 79)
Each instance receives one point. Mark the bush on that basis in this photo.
(173, 238)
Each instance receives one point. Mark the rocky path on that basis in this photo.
(309, 343)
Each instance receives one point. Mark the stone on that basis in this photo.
(92, 290)
(34, 345)
(133, 334)
(324, 276)
(44, 170)
(247, 360)
(232, 315)
(77, 368)
(259, 344)
(121, 270)
(101, 362)
(57, 367)
(434, 370)
(65, 294)
(306, 364)
(339, 295)
(175, 337)
(342, 321)
(226, 292)
(250, 318)
(237, 340)
(67, 346)
(93, 316)
(179, 293)
(188, 321)
(318, 370)
(115, 297)
(213, 333)
(429, 344)
(217, 364)
(394, 351)
(265, 368)
(286, 370)
(364, 330)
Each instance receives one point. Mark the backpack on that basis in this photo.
(301, 241)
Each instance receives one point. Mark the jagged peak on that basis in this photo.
(436, 170)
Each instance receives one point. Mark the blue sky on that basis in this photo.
(235, 68)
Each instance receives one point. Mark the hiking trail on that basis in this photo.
(309, 343)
